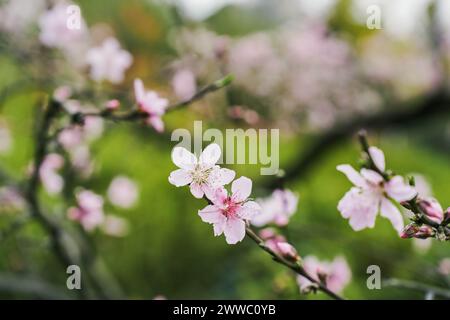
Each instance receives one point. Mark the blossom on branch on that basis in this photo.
(123, 192)
(89, 210)
(151, 104)
(51, 180)
(202, 174)
(277, 208)
(229, 213)
(108, 61)
(334, 275)
(372, 194)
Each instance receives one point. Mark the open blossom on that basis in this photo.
(55, 31)
(336, 274)
(202, 174)
(371, 194)
(123, 192)
(277, 208)
(89, 210)
(109, 61)
(48, 173)
(150, 103)
(228, 213)
(184, 84)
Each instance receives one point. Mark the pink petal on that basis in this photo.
(234, 230)
(241, 189)
(249, 210)
(196, 190)
(139, 90)
(217, 196)
(210, 154)
(378, 158)
(360, 208)
(183, 159)
(397, 189)
(339, 275)
(156, 122)
(352, 175)
(180, 177)
(372, 176)
(391, 212)
(211, 214)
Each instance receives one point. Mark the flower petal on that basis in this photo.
(249, 210)
(211, 214)
(226, 176)
(372, 176)
(210, 154)
(352, 175)
(360, 208)
(139, 90)
(391, 212)
(217, 196)
(156, 122)
(180, 177)
(399, 190)
(241, 189)
(196, 190)
(234, 230)
(378, 158)
(183, 159)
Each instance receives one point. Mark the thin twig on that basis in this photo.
(413, 285)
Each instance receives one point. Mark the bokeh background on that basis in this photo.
(304, 67)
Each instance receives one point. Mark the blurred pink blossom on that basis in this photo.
(278, 244)
(48, 173)
(62, 93)
(337, 274)
(202, 174)
(54, 29)
(108, 61)
(277, 208)
(115, 226)
(372, 194)
(11, 199)
(89, 210)
(123, 192)
(228, 213)
(113, 104)
(444, 267)
(150, 103)
(5, 138)
(184, 84)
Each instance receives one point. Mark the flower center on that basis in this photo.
(200, 174)
(230, 208)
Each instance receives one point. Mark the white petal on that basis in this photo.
(183, 159)
(211, 214)
(391, 212)
(139, 90)
(378, 158)
(210, 154)
(360, 208)
(234, 230)
(241, 189)
(372, 176)
(220, 177)
(226, 175)
(180, 177)
(196, 190)
(249, 210)
(399, 190)
(352, 175)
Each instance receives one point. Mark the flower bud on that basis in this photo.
(409, 231)
(432, 209)
(414, 231)
(288, 252)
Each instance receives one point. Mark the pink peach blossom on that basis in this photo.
(336, 274)
(48, 173)
(115, 226)
(123, 192)
(150, 103)
(108, 61)
(278, 244)
(183, 83)
(228, 213)
(89, 210)
(277, 208)
(432, 209)
(202, 174)
(372, 194)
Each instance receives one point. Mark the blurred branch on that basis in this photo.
(402, 114)
(30, 286)
(294, 266)
(417, 286)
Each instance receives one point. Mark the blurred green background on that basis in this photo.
(169, 251)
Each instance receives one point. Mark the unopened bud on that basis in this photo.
(432, 209)
(288, 252)
(414, 231)
(409, 231)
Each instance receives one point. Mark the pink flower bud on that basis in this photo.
(112, 104)
(414, 231)
(287, 251)
(432, 209)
